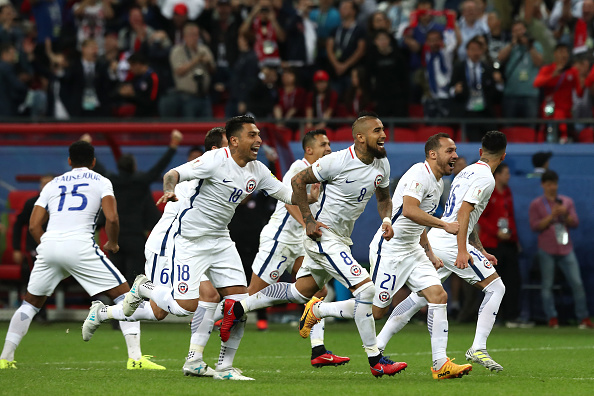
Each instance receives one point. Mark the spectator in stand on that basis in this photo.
(438, 72)
(327, 18)
(377, 21)
(222, 32)
(470, 26)
(91, 17)
(474, 86)
(358, 97)
(243, 77)
(345, 46)
(498, 38)
(175, 25)
(300, 50)
(13, 87)
(582, 28)
(291, 100)
(194, 8)
(263, 22)
(150, 13)
(132, 192)
(499, 236)
(321, 103)
(143, 90)
(558, 80)
(398, 17)
(132, 37)
(550, 216)
(422, 21)
(48, 17)
(192, 64)
(389, 77)
(522, 58)
(10, 31)
(264, 94)
(540, 161)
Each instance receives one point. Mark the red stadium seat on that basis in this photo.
(520, 134)
(404, 135)
(17, 199)
(343, 134)
(416, 111)
(586, 135)
(425, 132)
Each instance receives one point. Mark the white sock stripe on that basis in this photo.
(30, 307)
(119, 299)
(197, 319)
(486, 299)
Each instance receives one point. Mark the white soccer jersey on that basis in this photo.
(162, 233)
(282, 226)
(474, 184)
(222, 185)
(347, 186)
(73, 201)
(418, 182)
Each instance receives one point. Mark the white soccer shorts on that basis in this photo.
(476, 272)
(330, 258)
(215, 257)
(77, 256)
(390, 271)
(274, 258)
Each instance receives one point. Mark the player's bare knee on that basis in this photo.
(322, 293)
(208, 293)
(378, 312)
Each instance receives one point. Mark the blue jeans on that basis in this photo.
(182, 104)
(571, 269)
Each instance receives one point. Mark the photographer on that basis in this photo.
(558, 81)
(192, 64)
(522, 59)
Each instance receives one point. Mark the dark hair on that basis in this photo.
(435, 31)
(249, 37)
(549, 175)
(362, 116)
(5, 47)
(562, 45)
(235, 125)
(214, 137)
(349, 96)
(311, 136)
(519, 22)
(433, 143)
(494, 142)
(81, 153)
(355, 5)
(502, 166)
(419, 2)
(138, 58)
(127, 163)
(475, 40)
(195, 148)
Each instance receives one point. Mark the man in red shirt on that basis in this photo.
(550, 216)
(558, 81)
(500, 238)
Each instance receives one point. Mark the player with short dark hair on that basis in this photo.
(72, 202)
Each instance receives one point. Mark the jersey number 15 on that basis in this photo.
(74, 193)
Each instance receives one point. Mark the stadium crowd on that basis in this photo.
(287, 59)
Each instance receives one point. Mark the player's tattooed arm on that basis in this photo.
(170, 180)
(299, 183)
(474, 240)
(384, 203)
(424, 242)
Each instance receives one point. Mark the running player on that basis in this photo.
(464, 254)
(408, 257)
(202, 244)
(349, 178)
(73, 201)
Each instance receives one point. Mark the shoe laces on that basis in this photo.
(386, 360)
(329, 352)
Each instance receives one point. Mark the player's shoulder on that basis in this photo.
(298, 166)
(418, 170)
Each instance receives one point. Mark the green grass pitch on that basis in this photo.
(53, 360)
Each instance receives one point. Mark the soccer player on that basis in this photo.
(464, 254)
(408, 258)
(202, 244)
(349, 178)
(72, 201)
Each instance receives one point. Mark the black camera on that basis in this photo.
(529, 39)
(199, 78)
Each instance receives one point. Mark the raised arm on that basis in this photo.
(384, 207)
(170, 180)
(155, 171)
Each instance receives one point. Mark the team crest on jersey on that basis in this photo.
(274, 275)
(384, 296)
(250, 186)
(378, 180)
(487, 264)
(356, 270)
(477, 193)
(415, 187)
(182, 287)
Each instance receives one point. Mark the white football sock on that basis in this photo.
(202, 324)
(316, 335)
(164, 299)
(488, 312)
(337, 309)
(131, 332)
(229, 348)
(143, 312)
(437, 324)
(278, 293)
(19, 325)
(364, 318)
(399, 317)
